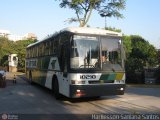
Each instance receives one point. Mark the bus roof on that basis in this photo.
(94, 31)
(83, 30)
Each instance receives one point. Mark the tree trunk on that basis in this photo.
(82, 23)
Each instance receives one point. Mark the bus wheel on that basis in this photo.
(56, 89)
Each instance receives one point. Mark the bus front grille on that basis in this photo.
(100, 81)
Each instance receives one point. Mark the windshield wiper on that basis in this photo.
(87, 66)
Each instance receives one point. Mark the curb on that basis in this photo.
(143, 85)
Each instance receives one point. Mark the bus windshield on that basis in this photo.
(111, 58)
(101, 53)
(84, 52)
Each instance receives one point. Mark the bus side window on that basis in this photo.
(64, 59)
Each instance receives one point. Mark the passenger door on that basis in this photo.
(64, 59)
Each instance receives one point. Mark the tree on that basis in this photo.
(158, 54)
(84, 8)
(127, 44)
(138, 47)
(140, 54)
(20, 48)
(8, 47)
(142, 49)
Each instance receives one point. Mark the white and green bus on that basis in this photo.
(78, 62)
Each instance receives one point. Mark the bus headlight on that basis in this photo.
(80, 93)
(76, 82)
(121, 89)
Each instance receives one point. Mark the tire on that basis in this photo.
(55, 88)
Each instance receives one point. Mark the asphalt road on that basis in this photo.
(25, 99)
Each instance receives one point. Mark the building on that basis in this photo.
(15, 37)
(4, 33)
(30, 36)
(12, 37)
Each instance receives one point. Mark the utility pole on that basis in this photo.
(105, 22)
(105, 15)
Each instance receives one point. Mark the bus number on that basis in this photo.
(87, 76)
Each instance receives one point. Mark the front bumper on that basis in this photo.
(77, 91)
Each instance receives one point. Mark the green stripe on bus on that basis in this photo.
(110, 76)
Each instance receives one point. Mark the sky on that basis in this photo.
(44, 17)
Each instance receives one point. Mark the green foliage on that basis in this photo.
(113, 29)
(127, 45)
(84, 8)
(20, 47)
(139, 54)
(9, 47)
(6, 48)
(143, 50)
(112, 8)
(158, 55)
